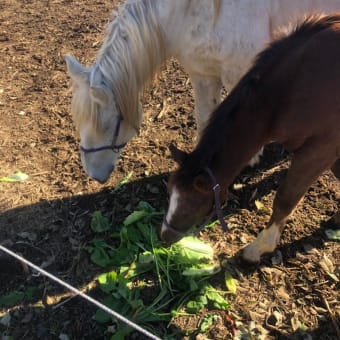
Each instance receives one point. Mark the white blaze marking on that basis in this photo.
(265, 242)
(172, 207)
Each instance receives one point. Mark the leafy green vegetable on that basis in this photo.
(135, 216)
(333, 234)
(230, 282)
(216, 298)
(207, 294)
(261, 207)
(18, 176)
(202, 270)
(207, 322)
(99, 223)
(108, 281)
(17, 297)
(191, 250)
(144, 209)
(125, 180)
(196, 305)
(12, 299)
(181, 270)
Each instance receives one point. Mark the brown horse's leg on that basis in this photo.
(336, 172)
(307, 164)
(336, 169)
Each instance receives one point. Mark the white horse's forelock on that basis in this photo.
(132, 51)
(85, 106)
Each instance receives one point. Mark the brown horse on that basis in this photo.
(290, 95)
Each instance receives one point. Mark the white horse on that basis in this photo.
(215, 41)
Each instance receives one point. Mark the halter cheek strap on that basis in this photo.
(113, 146)
(218, 207)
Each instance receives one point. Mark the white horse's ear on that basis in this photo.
(178, 155)
(76, 71)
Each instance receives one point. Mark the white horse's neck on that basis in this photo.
(133, 50)
(139, 40)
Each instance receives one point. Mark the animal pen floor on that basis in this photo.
(46, 218)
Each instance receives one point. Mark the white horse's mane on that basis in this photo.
(132, 51)
(130, 55)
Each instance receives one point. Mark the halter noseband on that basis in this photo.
(115, 148)
(217, 205)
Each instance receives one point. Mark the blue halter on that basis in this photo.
(115, 148)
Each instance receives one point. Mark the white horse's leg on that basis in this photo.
(207, 93)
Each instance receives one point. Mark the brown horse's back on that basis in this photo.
(311, 100)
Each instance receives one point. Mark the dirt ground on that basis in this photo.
(46, 218)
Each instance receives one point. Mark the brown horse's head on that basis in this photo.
(191, 200)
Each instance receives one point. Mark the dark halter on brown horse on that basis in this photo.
(291, 96)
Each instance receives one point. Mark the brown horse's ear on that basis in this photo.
(178, 155)
(202, 184)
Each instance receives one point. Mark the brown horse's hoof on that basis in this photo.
(244, 259)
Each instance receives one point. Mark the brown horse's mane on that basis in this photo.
(244, 93)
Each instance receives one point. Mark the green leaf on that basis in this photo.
(122, 333)
(138, 252)
(206, 270)
(108, 281)
(18, 176)
(230, 282)
(261, 207)
(99, 223)
(142, 205)
(121, 256)
(196, 305)
(12, 299)
(125, 180)
(136, 269)
(135, 216)
(207, 322)
(117, 303)
(190, 250)
(333, 234)
(100, 257)
(147, 231)
(146, 257)
(215, 297)
(101, 316)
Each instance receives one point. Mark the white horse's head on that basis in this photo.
(102, 129)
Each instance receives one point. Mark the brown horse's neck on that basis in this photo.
(243, 138)
(236, 132)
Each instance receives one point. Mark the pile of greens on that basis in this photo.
(151, 283)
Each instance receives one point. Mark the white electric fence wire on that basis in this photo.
(83, 295)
